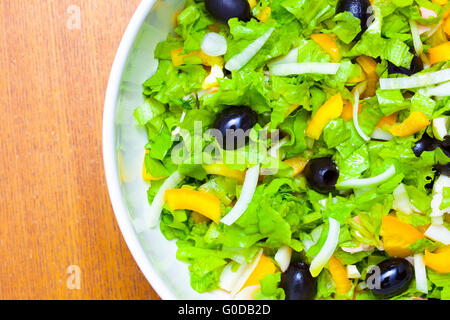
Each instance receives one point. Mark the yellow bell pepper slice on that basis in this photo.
(414, 123)
(297, 163)
(291, 109)
(204, 203)
(178, 58)
(221, 169)
(264, 14)
(328, 43)
(398, 236)
(440, 2)
(329, 111)
(440, 53)
(359, 79)
(339, 275)
(264, 267)
(439, 260)
(147, 175)
(123, 176)
(369, 65)
(252, 3)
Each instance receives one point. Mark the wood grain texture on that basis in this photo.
(54, 207)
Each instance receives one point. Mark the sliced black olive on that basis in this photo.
(359, 8)
(416, 66)
(223, 10)
(298, 283)
(322, 174)
(233, 124)
(426, 143)
(390, 277)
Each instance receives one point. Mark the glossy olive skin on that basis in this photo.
(445, 145)
(229, 121)
(426, 143)
(359, 8)
(298, 283)
(416, 66)
(393, 278)
(443, 169)
(322, 174)
(223, 10)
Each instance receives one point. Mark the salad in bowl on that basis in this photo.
(300, 149)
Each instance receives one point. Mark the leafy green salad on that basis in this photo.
(300, 149)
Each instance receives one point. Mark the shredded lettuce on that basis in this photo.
(285, 209)
(270, 289)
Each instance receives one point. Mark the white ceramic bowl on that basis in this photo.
(123, 151)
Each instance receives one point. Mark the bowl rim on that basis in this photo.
(109, 153)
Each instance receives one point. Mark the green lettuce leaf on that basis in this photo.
(270, 289)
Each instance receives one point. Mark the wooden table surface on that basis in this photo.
(54, 206)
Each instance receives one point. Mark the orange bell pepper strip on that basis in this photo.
(440, 2)
(204, 203)
(398, 236)
(369, 65)
(440, 53)
(446, 27)
(222, 170)
(328, 43)
(339, 275)
(297, 163)
(446, 23)
(446, 14)
(388, 121)
(329, 111)
(347, 112)
(414, 123)
(178, 58)
(439, 260)
(264, 14)
(264, 267)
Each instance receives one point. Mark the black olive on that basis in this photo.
(298, 283)
(443, 169)
(445, 145)
(359, 8)
(223, 10)
(416, 66)
(390, 277)
(426, 143)
(322, 174)
(230, 121)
